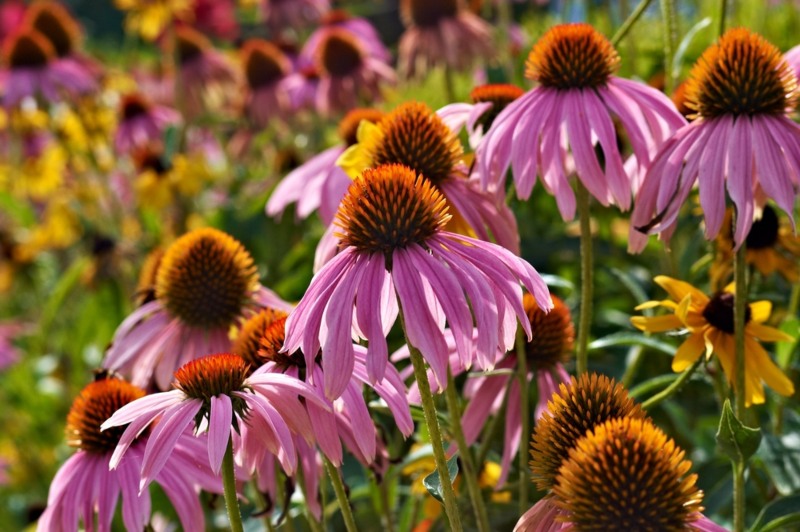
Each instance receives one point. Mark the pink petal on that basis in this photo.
(164, 437)
(219, 430)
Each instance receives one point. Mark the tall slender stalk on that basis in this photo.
(630, 21)
(449, 86)
(723, 14)
(587, 281)
(670, 390)
(524, 412)
(312, 521)
(739, 322)
(229, 489)
(431, 420)
(341, 495)
(470, 473)
(668, 14)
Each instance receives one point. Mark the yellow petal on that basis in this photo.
(724, 349)
(677, 290)
(760, 311)
(766, 333)
(765, 368)
(353, 160)
(688, 352)
(656, 323)
(683, 308)
(653, 304)
(730, 288)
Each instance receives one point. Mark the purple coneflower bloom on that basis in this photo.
(214, 394)
(441, 32)
(216, 17)
(487, 102)
(267, 74)
(358, 27)
(319, 184)
(205, 283)
(742, 140)
(282, 14)
(85, 489)
(397, 255)
(203, 73)
(141, 123)
(349, 75)
(33, 69)
(415, 136)
(570, 112)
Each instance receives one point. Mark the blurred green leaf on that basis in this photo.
(632, 338)
(784, 350)
(736, 440)
(433, 483)
(778, 514)
(781, 459)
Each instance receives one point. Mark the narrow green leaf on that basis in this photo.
(784, 350)
(778, 514)
(736, 440)
(433, 482)
(631, 338)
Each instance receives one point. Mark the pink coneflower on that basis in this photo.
(319, 184)
(349, 75)
(414, 136)
(303, 88)
(33, 69)
(358, 27)
(216, 17)
(53, 21)
(266, 73)
(214, 394)
(206, 283)
(441, 32)
(85, 490)
(570, 113)
(743, 139)
(12, 13)
(487, 103)
(793, 58)
(9, 354)
(397, 255)
(282, 14)
(141, 123)
(204, 74)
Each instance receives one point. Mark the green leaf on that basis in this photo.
(781, 459)
(433, 482)
(784, 350)
(631, 338)
(171, 139)
(736, 440)
(778, 514)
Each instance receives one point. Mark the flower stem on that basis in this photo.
(449, 89)
(432, 421)
(670, 390)
(723, 14)
(739, 317)
(630, 21)
(738, 496)
(524, 411)
(668, 14)
(587, 283)
(470, 473)
(313, 524)
(229, 489)
(341, 495)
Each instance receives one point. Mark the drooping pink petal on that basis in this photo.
(219, 430)
(740, 178)
(164, 438)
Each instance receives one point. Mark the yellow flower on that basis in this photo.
(149, 18)
(60, 228)
(710, 324)
(36, 177)
(771, 246)
(357, 157)
(159, 181)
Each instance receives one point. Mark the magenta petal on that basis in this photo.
(369, 316)
(164, 438)
(135, 505)
(740, 178)
(363, 428)
(219, 430)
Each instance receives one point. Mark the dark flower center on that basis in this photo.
(388, 208)
(553, 334)
(427, 12)
(211, 376)
(190, 44)
(28, 50)
(95, 404)
(132, 106)
(742, 74)
(348, 127)
(264, 63)
(206, 279)
(764, 231)
(56, 24)
(340, 54)
(500, 95)
(572, 56)
(719, 312)
(261, 338)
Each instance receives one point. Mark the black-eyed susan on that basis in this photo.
(710, 323)
(149, 18)
(771, 243)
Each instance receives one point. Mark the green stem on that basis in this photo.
(587, 283)
(630, 21)
(738, 496)
(341, 495)
(739, 322)
(524, 410)
(432, 421)
(229, 489)
(668, 14)
(670, 390)
(312, 522)
(383, 491)
(449, 88)
(635, 360)
(491, 431)
(470, 474)
(723, 14)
